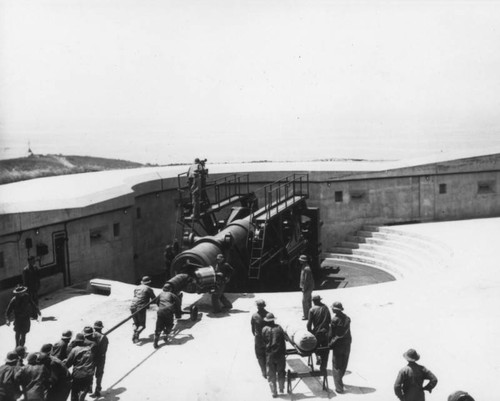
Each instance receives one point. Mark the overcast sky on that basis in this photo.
(164, 81)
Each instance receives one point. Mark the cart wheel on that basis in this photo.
(193, 313)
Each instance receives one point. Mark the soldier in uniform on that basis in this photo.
(23, 308)
(34, 378)
(60, 378)
(339, 341)
(102, 343)
(306, 285)
(223, 273)
(9, 387)
(60, 348)
(257, 324)
(31, 279)
(274, 339)
(318, 324)
(81, 358)
(169, 305)
(409, 383)
(194, 179)
(143, 294)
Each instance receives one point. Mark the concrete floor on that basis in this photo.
(448, 311)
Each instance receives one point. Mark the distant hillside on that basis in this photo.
(36, 166)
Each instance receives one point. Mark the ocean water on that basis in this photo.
(163, 149)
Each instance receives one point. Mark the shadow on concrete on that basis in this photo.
(111, 394)
(49, 318)
(358, 389)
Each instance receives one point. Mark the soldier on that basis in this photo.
(274, 339)
(143, 294)
(34, 378)
(60, 348)
(60, 378)
(257, 323)
(194, 179)
(169, 305)
(102, 344)
(9, 387)
(410, 380)
(31, 279)
(223, 273)
(21, 354)
(306, 285)
(319, 324)
(460, 396)
(23, 309)
(81, 358)
(339, 340)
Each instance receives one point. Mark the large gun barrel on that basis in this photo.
(197, 261)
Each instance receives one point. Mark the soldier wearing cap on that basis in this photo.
(9, 387)
(23, 309)
(60, 348)
(339, 341)
(60, 378)
(21, 354)
(274, 339)
(82, 359)
(257, 323)
(306, 285)
(31, 279)
(102, 343)
(223, 273)
(34, 378)
(169, 305)
(409, 383)
(194, 176)
(143, 295)
(460, 396)
(318, 323)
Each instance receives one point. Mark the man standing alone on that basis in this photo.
(257, 323)
(319, 324)
(306, 285)
(409, 383)
(23, 308)
(31, 279)
(340, 343)
(274, 339)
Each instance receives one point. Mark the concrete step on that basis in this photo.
(335, 260)
(356, 239)
(348, 244)
(343, 250)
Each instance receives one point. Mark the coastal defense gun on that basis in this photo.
(261, 244)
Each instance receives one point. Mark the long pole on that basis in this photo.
(130, 317)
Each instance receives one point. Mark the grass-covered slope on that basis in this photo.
(35, 166)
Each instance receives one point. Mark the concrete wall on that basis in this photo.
(124, 238)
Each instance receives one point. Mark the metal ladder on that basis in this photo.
(256, 256)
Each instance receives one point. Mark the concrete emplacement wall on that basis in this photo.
(124, 238)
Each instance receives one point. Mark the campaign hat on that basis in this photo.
(303, 258)
(269, 317)
(411, 355)
(337, 306)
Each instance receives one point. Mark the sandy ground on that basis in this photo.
(448, 311)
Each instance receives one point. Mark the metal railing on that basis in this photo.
(284, 191)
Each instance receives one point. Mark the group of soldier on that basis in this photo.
(270, 346)
(46, 374)
(67, 366)
(333, 333)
